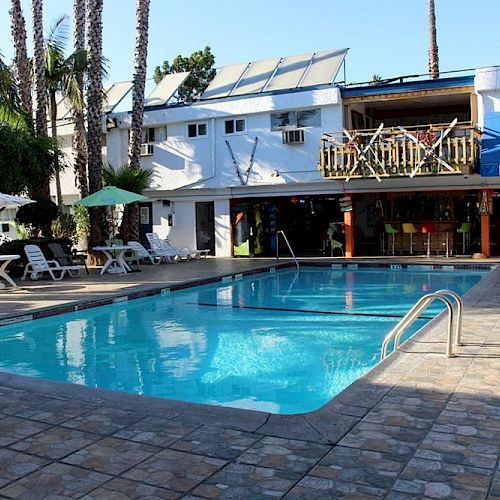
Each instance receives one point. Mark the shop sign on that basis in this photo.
(486, 203)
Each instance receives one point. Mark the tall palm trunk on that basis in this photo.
(131, 214)
(94, 116)
(139, 82)
(40, 86)
(39, 70)
(21, 61)
(433, 48)
(53, 126)
(79, 139)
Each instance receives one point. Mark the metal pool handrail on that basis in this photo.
(460, 311)
(414, 313)
(458, 323)
(289, 247)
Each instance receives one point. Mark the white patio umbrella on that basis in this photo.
(11, 201)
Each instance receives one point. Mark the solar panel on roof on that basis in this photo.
(289, 73)
(167, 87)
(306, 70)
(114, 95)
(255, 78)
(324, 68)
(224, 81)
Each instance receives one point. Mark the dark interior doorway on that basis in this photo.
(205, 226)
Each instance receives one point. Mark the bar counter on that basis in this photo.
(437, 238)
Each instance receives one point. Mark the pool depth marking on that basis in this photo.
(340, 313)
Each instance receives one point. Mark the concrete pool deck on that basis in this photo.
(419, 425)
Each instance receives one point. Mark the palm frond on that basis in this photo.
(58, 33)
(128, 178)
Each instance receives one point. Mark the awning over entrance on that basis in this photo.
(490, 146)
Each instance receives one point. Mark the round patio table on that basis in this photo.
(114, 255)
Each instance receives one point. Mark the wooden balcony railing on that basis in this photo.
(401, 151)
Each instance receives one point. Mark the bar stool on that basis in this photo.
(390, 229)
(465, 230)
(409, 228)
(428, 228)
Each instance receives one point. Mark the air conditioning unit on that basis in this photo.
(293, 137)
(147, 149)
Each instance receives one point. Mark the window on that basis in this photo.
(296, 119)
(197, 129)
(148, 135)
(309, 118)
(234, 126)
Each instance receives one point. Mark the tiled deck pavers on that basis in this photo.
(418, 426)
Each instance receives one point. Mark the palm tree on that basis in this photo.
(131, 216)
(130, 179)
(79, 139)
(21, 61)
(11, 111)
(61, 77)
(139, 83)
(39, 71)
(433, 48)
(94, 116)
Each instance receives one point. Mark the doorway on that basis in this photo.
(205, 226)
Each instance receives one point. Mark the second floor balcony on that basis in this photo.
(401, 151)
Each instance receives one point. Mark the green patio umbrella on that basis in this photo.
(108, 196)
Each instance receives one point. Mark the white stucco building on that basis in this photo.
(251, 148)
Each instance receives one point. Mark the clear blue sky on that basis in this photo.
(385, 37)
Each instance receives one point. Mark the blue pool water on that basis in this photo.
(280, 342)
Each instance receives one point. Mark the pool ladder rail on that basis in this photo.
(415, 312)
(288, 245)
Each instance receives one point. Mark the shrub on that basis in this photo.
(37, 216)
(65, 227)
(82, 221)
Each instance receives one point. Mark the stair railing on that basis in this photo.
(288, 245)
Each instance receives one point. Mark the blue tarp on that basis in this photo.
(490, 146)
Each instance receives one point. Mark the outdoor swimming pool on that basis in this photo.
(282, 342)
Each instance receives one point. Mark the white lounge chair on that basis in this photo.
(159, 249)
(143, 254)
(38, 264)
(195, 254)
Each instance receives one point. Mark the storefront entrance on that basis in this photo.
(437, 223)
(306, 221)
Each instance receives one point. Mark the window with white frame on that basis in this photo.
(148, 135)
(237, 126)
(197, 130)
(287, 120)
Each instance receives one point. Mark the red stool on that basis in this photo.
(428, 228)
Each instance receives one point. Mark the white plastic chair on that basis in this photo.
(160, 249)
(38, 264)
(143, 254)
